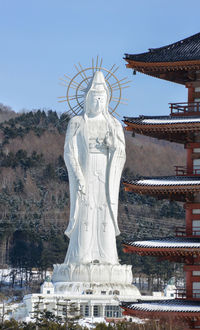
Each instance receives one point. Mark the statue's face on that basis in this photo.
(96, 102)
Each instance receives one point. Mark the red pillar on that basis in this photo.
(189, 160)
(188, 284)
(190, 94)
(188, 220)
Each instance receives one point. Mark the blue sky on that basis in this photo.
(43, 39)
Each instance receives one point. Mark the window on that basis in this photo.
(196, 211)
(103, 292)
(81, 309)
(89, 292)
(64, 310)
(48, 291)
(196, 273)
(116, 292)
(86, 310)
(196, 289)
(96, 312)
(196, 164)
(196, 227)
(113, 311)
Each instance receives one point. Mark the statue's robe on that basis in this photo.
(76, 155)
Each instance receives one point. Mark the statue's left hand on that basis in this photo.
(110, 140)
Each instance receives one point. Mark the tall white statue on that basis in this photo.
(94, 154)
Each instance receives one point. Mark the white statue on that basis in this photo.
(94, 154)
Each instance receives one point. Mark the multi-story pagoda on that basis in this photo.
(179, 63)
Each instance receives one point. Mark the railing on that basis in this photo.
(182, 170)
(184, 108)
(181, 293)
(181, 232)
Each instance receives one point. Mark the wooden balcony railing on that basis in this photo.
(185, 109)
(181, 293)
(181, 232)
(183, 171)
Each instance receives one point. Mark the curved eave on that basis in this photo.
(180, 72)
(173, 132)
(177, 65)
(160, 314)
(164, 252)
(174, 192)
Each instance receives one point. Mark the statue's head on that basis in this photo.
(97, 95)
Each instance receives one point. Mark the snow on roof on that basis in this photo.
(161, 120)
(170, 242)
(165, 181)
(174, 305)
(171, 121)
(167, 243)
(169, 181)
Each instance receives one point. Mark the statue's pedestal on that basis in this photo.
(94, 279)
(99, 273)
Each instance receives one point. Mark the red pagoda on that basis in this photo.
(179, 63)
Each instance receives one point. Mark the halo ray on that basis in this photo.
(112, 73)
(119, 81)
(74, 82)
(80, 72)
(120, 102)
(97, 62)
(116, 89)
(109, 71)
(92, 66)
(100, 64)
(119, 98)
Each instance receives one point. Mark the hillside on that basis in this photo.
(149, 156)
(6, 113)
(34, 192)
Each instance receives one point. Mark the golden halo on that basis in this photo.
(77, 85)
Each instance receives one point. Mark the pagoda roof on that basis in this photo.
(162, 120)
(167, 243)
(187, 49)
(185, 307)
(177, 249)
(180, 188)
(177, 62)
(175, 129)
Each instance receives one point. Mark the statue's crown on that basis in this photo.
(98, 82)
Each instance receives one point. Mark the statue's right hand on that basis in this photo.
(81, 186)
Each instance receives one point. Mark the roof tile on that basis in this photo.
(184, 50)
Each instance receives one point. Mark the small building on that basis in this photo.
(47, 287)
